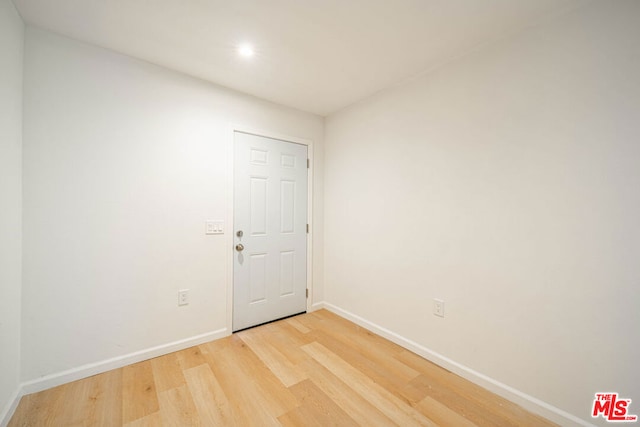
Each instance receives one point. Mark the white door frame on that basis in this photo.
(230, 226)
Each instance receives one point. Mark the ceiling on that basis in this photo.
(314, 55)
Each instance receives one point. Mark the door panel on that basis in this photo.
(270, 208)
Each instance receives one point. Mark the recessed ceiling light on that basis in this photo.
(245, 50)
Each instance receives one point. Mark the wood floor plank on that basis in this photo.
(279, 398)
(360, 409)
(316, 409)
(40, 409)
(190, 357)
(248, 403)
(153, 420)
(278, 363)
(382, 373)
(139, 397)
(106, 397)
(28, 412)
(377, 355)
(458, 403)
(289, 340)
(299, 326)
(374, 345)
(167, 372)
(441, 414)
(177, 408)
(213, 347)
(209, 398)
(79, 393)
(390, 405)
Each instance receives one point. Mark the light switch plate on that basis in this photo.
(214, 227)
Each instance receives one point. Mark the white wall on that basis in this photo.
(11, 51)
(123, 163)
(508, 184)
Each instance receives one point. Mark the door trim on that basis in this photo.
(230, 226)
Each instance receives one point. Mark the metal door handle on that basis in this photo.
(239, 247)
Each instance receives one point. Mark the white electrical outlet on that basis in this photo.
(438, 307)
(183, 297)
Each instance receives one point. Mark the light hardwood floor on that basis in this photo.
(316, 369)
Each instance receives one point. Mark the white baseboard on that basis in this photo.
(317, 306)
(91, 369)
(10, 408)
(526, 401)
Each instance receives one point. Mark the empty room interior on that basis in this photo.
(357, 212)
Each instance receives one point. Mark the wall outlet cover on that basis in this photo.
(438, 307)
(183, 297)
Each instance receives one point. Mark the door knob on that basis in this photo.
(239, 247)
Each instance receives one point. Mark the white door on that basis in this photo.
(270, 230)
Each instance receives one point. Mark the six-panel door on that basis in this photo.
(270, 214)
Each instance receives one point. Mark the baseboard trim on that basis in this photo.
(10, 408)
(526, 401)
(317, 306)
(91, 369)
